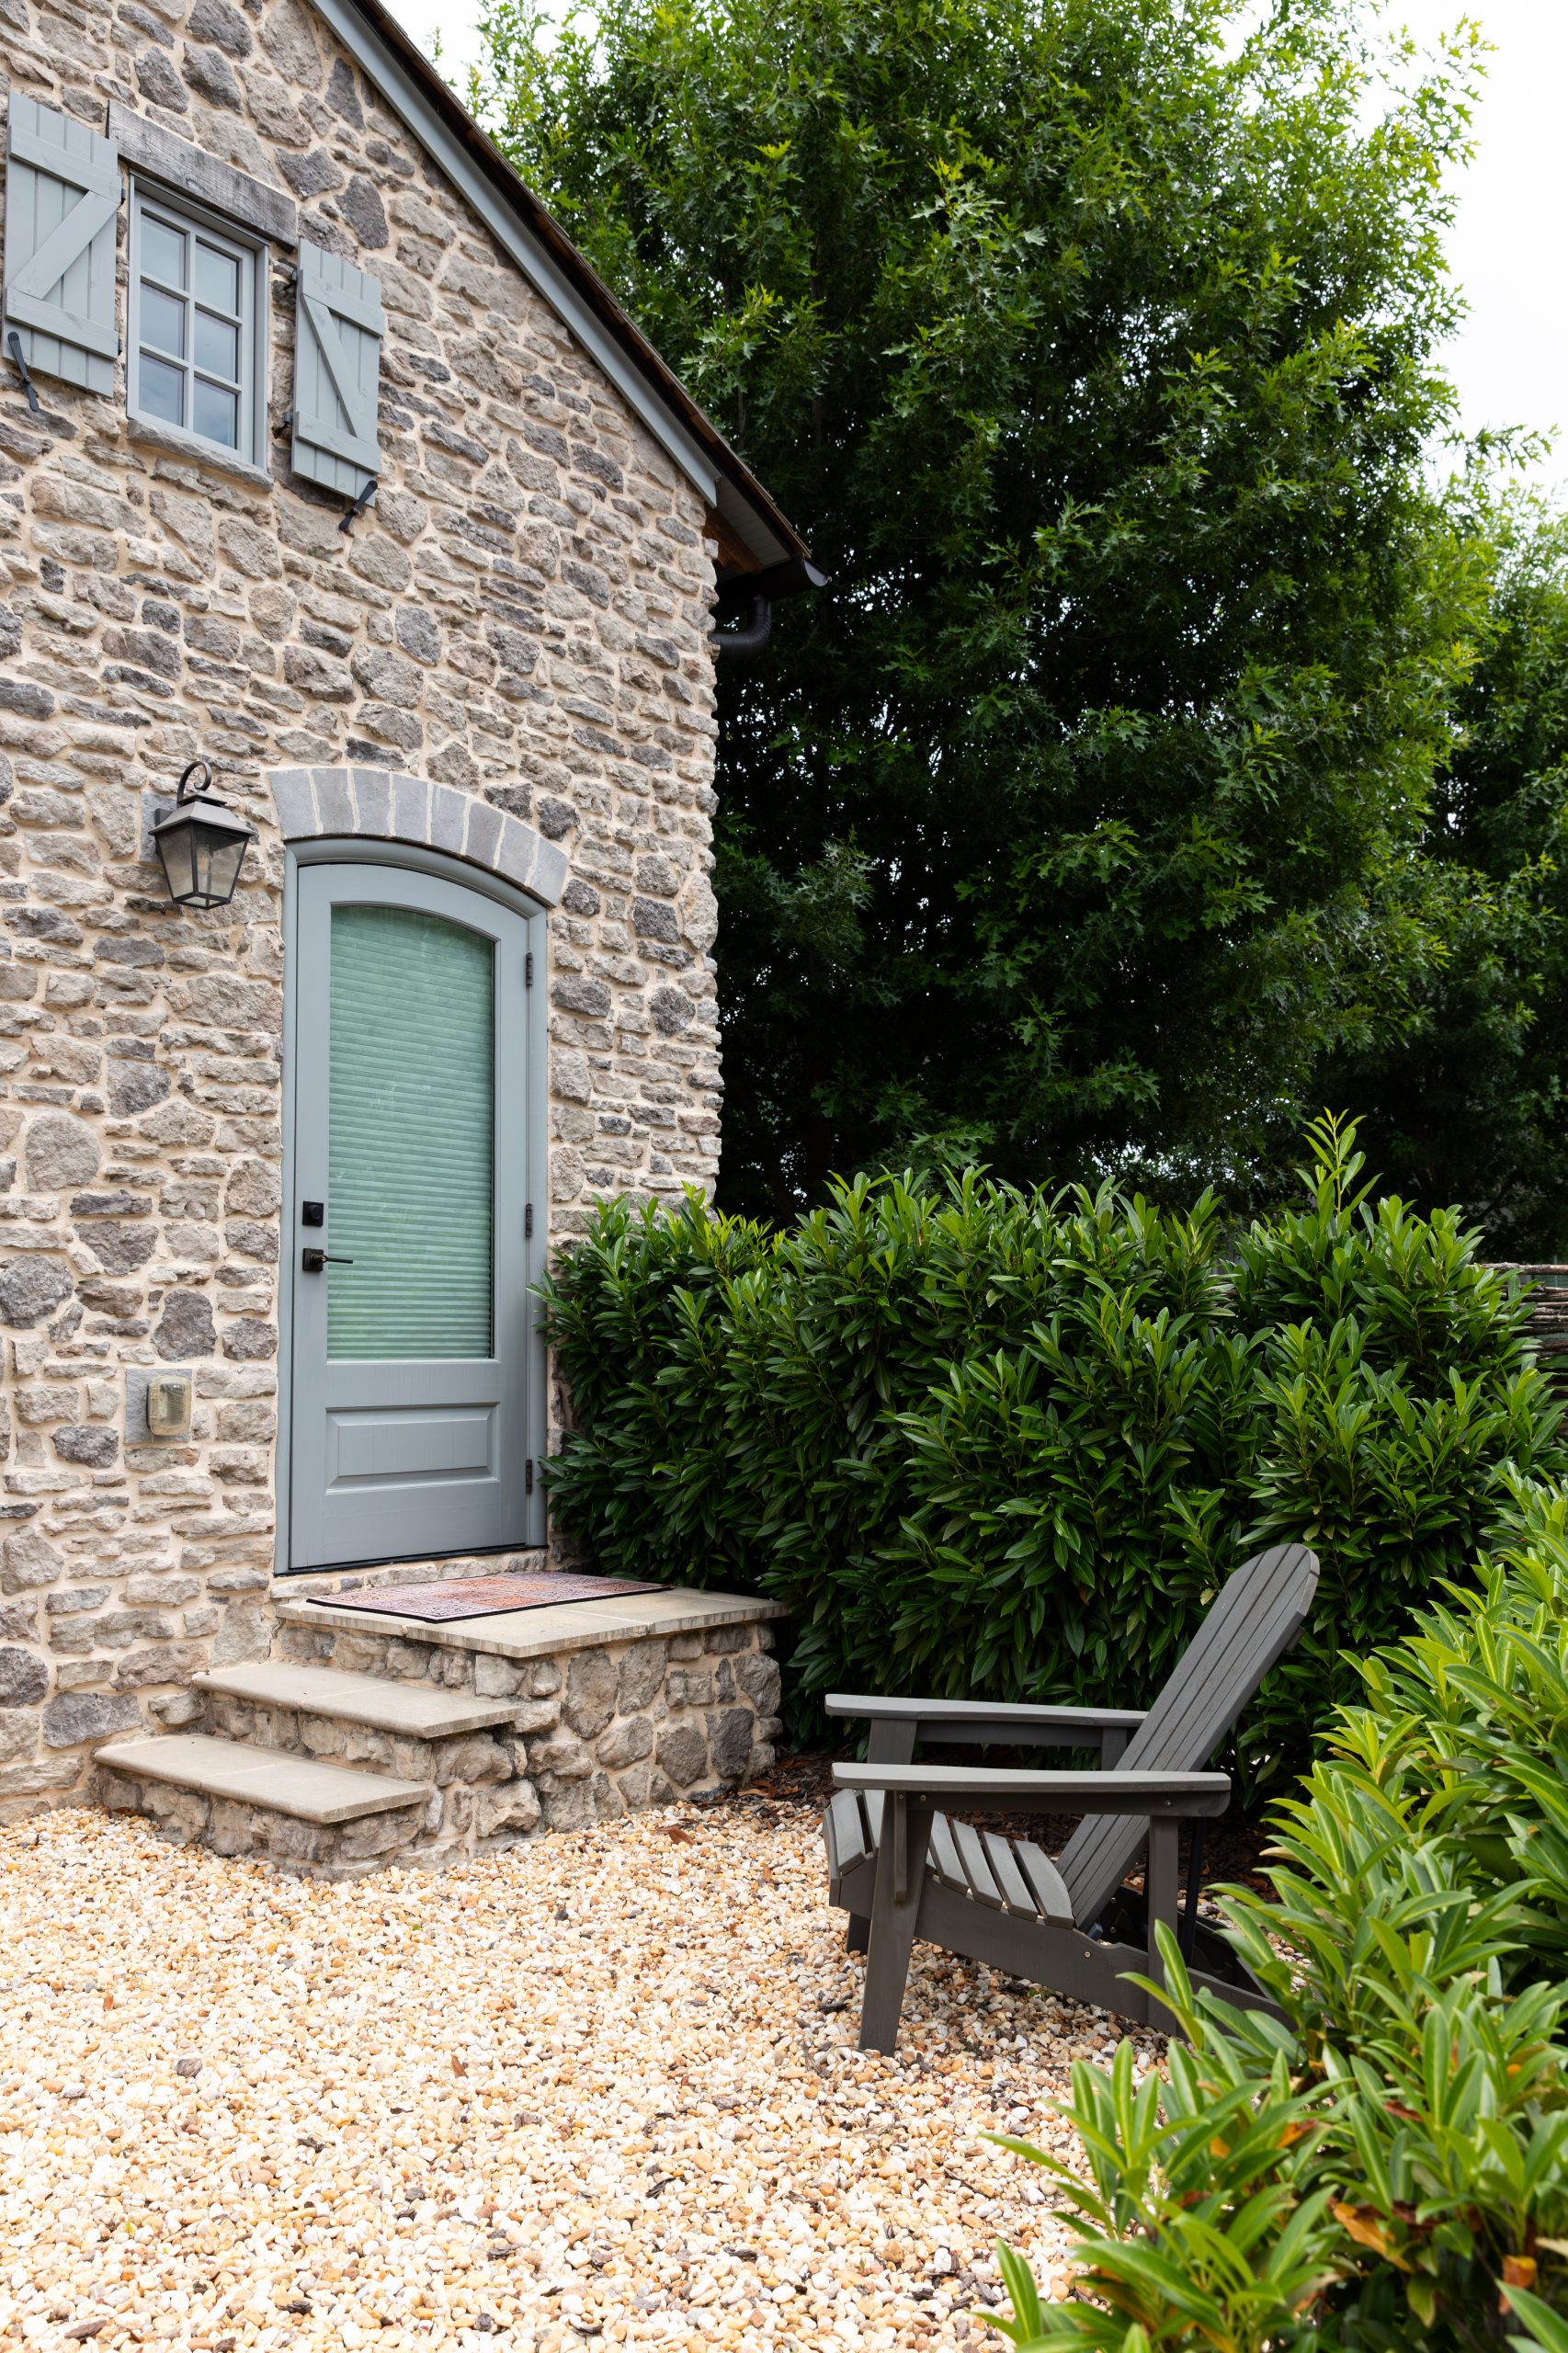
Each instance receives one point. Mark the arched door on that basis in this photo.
(411, 1313)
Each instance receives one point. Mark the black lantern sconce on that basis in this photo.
(201, 843)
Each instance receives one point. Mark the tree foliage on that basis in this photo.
(1470, 1102)
(1091, 342)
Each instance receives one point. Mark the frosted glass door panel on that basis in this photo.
(411, 1141)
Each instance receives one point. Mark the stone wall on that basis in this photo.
(520, 616)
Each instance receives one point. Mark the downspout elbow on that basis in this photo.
(730, 643)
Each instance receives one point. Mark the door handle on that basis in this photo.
(312, 1261)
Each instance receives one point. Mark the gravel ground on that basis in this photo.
(602, 2090)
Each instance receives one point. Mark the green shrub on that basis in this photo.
(1387, 2172)
(986, 1441)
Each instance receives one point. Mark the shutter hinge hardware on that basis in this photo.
(528, 970)
(360, 504)
(528, 1220)
(14, 343)
(529, 1476)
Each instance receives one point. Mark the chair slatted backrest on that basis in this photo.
(1250, 1624)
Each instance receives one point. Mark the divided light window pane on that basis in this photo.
(162, 322)
(193, 308)
(411, 1136)
(163, 251)
(163, 391)
(217, 413)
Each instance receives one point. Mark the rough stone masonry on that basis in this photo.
(520, 616)
(595, 1732)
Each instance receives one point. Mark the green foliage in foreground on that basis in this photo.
(1093, 344)
(1388, 2171)
(987, 1442)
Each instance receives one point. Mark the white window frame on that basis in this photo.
(148, 199)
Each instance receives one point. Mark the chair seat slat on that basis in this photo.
(977, 1870)
(1047, 1882)
(945, 1855)
(1015, 1887)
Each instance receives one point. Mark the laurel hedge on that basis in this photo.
(986, 1442)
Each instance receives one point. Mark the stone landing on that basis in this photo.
(367, 1739)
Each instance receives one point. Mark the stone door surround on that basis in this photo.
(382, 804)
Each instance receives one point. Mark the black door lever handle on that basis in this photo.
(312, 1261)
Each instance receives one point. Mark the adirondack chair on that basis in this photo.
(902, 1869)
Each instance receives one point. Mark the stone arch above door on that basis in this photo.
(382, 805)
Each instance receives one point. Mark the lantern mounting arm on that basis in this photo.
(203, 788)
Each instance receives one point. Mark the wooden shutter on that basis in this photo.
(338, 328)
(61, 199)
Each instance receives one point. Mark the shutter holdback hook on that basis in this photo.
(360, 503)
(15, 341)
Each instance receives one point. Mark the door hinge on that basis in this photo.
(528, 970)
(529, 1476)
(528, 1222)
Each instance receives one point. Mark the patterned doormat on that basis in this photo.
(480, 1597)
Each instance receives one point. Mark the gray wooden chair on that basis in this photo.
(901, 1870)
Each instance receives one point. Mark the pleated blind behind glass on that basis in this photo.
(412, 1136)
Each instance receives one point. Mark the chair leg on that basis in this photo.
(1187, 1935)
(857, 1935)
(895, 1907)
(1161, 1882)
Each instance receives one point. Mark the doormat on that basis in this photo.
(437, 1605)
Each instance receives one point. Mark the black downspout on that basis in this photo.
(729, 643)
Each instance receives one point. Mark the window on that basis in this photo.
(195, 339)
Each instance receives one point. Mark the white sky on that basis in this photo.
(1509, 246)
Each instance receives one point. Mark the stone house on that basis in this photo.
(326, 460)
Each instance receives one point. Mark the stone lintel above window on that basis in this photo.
(202, 178)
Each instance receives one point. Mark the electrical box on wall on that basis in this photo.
(168, 1405)
(157, 1405)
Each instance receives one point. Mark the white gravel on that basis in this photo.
(601, 2090)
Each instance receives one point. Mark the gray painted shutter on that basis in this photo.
(62, 198)
(338, 328)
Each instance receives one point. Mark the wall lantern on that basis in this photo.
(202, 845)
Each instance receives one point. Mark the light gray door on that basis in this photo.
(410, 1285)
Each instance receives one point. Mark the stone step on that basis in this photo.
(260, 1777)
(414, 1711)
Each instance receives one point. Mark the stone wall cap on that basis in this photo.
(541, 1633)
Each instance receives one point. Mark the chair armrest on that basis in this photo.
(961, 1720)
(979, 1790)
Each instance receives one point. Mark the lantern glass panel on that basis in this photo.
(175, 848)
(219, 856)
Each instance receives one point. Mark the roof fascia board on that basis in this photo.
(745, 522)
(404, 96)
